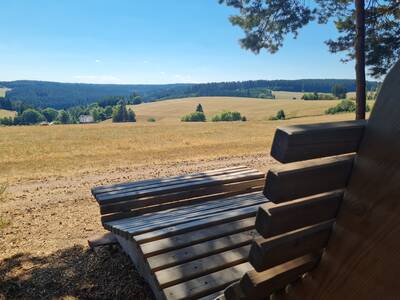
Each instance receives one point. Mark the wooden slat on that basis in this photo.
(202, 266)
(273, 219)
(207, 191)
(170, 185)
(182, 185)
(173, 205)
(197, 224)
(143, 225)
(208, 284)
(200, 250)
(214, 296)
(302, 179)
(303, 142)
(194, 237)
(165, 180)
(255, 285)
(267, 253)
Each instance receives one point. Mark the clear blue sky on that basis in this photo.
(148, 41)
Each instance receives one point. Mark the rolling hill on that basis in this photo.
(63, 95)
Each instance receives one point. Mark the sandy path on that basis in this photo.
(44, 253)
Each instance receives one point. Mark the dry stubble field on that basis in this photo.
(48, 212)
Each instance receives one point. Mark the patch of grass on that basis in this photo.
(6, 113)
(3, 189)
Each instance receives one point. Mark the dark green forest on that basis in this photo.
(42, 94)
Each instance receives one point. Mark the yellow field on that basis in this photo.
(6, 113)
(29, 152)
(283, 95)
(254, 109)
(3, 92)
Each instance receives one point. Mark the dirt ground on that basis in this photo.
(44, 252)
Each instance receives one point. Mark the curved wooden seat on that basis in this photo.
(337, 219)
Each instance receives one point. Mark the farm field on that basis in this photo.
(49, 171)
(254, 109)
(3, 92)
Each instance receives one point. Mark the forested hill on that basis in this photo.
(63, 95)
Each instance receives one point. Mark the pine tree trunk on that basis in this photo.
(360, 60)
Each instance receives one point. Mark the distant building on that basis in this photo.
(86, 119)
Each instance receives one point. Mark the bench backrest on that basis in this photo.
(350, 201)
(149, 196)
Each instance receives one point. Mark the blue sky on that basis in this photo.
(148, 41)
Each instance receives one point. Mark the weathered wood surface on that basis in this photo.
(303, 142)
(268, 253)
(274, 219)
(128, 200)
(259, 285)
(362, 260)
(302, 179)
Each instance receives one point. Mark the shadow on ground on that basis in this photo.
(76, 272)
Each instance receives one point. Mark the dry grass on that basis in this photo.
(28, 152)
(6, 113)
(283, 95)
(3, 92)
(254, 109)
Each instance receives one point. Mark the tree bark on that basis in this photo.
(360, 60)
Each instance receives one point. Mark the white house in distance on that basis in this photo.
(84, 119)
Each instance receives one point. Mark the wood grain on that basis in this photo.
(302, 179)
(303, 142)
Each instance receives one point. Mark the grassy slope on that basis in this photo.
(253, 109)
(3, 92)
(65, 150)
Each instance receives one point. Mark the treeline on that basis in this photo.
(99, 111)
(65, 95)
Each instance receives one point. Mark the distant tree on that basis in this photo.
(108, 110)
(194, 117)
(280, 115)
(339, 91)
(64, 117)
(131, 117)
(227, 116)
(6, 121)
(199, 108)
(50, 114)
(122, 114)
(5, 103)
(31, 116)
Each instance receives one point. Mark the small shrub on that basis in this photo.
(244, 119)
(227, 116)
(280, 115)
(199, 108)
(151, 120)
(343, 106)
(194, 117)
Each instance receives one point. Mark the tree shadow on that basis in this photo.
(75, 272)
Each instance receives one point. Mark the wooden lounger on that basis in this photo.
(188, 236)
(351, 201)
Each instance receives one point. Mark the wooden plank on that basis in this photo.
(187, 184)
(197, 224)
(200, 250)
(255, 285)
(274, 219)
(121, 186)
(214, 296)
(169, 185)
(202, 266)
(234, 292)
(303, 142)
(208, 284)
(133, 227)
(173, 205)
(267, 253)
(302, 179)
(185, 210)
(195, 244)
(159, 199)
